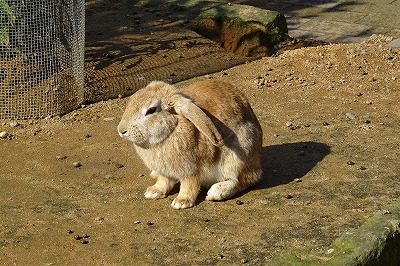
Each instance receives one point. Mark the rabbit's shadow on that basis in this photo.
(283, 163)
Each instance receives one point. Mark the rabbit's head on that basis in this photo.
(153, 113)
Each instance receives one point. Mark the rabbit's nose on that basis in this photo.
(122, 131)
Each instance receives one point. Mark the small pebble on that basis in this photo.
(118, 165)
(61, 157)
(108, 176)
(137, 222)
(150, 223)
(239, 202)
(77, 237)
(88, 135)
(14, 124)
(221, 256)
(289, 124)
(244, 261)
(362, 168)
(206, 220)
(350, 163)
(76, 164)
(99, 219)
(141, 175)
(297, 180)
(288, 196)
(325, 124)
(4, 135)
(367, 121)
(350, 116)
(84, 241)
(70, 231)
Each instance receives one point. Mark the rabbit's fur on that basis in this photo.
(201, 135)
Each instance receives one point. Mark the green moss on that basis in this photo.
(375, 242)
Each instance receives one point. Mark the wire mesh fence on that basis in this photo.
(41, 57)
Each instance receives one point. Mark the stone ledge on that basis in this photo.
(376, 242)
(241, 29)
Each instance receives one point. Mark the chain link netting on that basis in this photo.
(41, 57)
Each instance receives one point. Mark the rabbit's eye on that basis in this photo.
(151, 110)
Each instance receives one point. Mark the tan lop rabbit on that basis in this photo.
(201, 135)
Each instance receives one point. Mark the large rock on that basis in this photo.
(242, 29)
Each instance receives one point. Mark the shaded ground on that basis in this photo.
(330, 117)
(127, 46)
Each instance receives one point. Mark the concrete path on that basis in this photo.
(336, 20)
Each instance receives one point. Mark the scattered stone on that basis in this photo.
(360, 94)
(61, 157)
(221, 256)
(367, 121)
(14, 124)
(77, 237)
(385, 212)
(88, 135)
(70, 231)
(99, 219)
(141, 175)
(137, 222)
(289, 196)
(244, 261)
(325, 124)
(150, 223)
(207, 220)
(350, 116)
(84, 241)
(239, 202)
(85, 236)
(108, 176)
(329, 251)
(276, 135)
(297, 180)
(289, 124)
(4, 135)
(362, 168)
(118, 165)
(36, 131)
(350, 163)
(76, 164)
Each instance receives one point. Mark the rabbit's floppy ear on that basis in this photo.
(194, 114)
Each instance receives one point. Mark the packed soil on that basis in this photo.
(330, 117)
(72, 191)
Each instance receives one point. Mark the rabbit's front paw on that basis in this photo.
(181, 202)
(222, 190)
(154, 193)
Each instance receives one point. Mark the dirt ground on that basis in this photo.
(72, 191)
